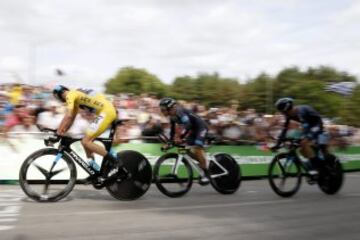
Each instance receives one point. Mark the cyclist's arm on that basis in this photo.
(310, 120)
(284, 131)
(70, 114)
(66, 122)
(187, 125)
(172, 130)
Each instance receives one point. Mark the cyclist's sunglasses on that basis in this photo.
(164, 109)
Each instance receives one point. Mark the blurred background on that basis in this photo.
(236, 113)
(228, 61)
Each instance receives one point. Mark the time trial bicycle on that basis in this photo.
(49, 174)
(174, 172)
(287, 169)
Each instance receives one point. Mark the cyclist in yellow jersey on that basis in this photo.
(96, 103)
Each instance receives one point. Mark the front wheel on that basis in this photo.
(331, 175)
(173, 175)
(139, 181)
(47, 175)
(285, 175)
(225, 174)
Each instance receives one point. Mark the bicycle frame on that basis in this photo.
(196, 167)
(65, 147)
(292, 153)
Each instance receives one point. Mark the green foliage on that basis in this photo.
(350, 113)
(305, 86)
(328, 75)
(210, 89)
(183, 88)
(258, 94)
(135, 80)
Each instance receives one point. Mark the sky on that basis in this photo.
(90, 40)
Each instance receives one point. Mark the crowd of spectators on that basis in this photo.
(24, 106)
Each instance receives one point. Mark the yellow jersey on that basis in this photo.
(88, 100)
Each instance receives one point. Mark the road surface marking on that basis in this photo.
(10, 206)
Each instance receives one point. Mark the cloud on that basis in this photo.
(92, 39)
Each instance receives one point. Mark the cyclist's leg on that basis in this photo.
(197, 139)
(200, 156)
(323, 142)
(97, 127)
(307, 150)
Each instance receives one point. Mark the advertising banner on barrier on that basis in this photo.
(253, 161)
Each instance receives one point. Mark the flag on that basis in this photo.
(59, 72)
(343, 88)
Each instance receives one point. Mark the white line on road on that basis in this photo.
(3, 228)
(9, 209)
(250, 191)
(7, 219)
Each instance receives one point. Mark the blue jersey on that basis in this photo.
(189, 120)
(309, 119)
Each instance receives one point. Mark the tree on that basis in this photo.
(308, 87)
(135, 80)
(183, 88)
(328, 75)
(350, 113)
(258, 93)
(285, 79)
(209, 89)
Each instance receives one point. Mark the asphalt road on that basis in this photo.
(254, 212)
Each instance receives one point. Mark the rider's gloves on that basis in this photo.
(275, 148)
(167, 146)
(277, 145)
(183, 134)
(49, 141)
(53, 139)
(164, 148)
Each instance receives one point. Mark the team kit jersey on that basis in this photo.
(311, 122)
(95, 103)
(195, 129)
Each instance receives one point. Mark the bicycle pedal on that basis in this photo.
(311, 180)
(99, 183)
(204, 182)
(90, 180)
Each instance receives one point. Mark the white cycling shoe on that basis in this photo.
(204, 180)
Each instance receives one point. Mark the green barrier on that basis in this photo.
(254, 162)
(9, 182)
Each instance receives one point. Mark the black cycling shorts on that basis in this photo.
(197, 137)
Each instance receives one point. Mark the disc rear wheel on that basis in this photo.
(139, 180)
(331, 175)
(225, 174)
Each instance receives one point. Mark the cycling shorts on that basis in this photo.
(197, 138)
(102, 121)
(318, 135)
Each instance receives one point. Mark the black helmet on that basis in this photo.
(284, 104)
(58, 91)
(167, 103)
